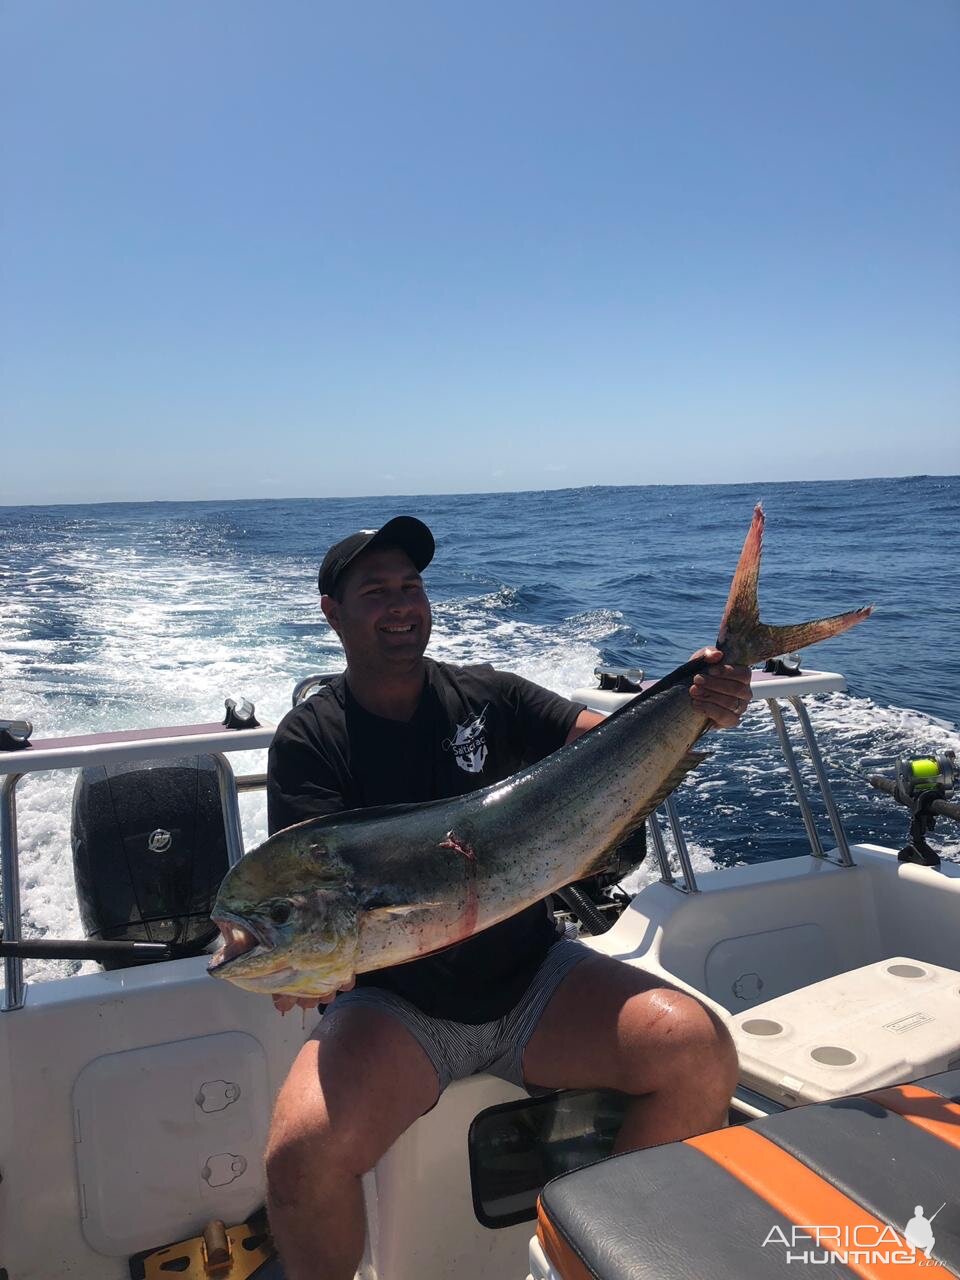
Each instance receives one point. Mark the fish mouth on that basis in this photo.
(240, 941)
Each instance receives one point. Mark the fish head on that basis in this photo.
(289, 919)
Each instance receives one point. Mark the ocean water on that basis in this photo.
(143, 614)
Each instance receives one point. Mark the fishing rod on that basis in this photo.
(922, 784)
(102, 950)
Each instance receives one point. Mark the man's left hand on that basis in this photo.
(722, 693)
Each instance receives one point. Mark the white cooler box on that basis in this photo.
(886, 1023)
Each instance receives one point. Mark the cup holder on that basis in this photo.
(831, 1055)
(761, 1027)
(906, 971)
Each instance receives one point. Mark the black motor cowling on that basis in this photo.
(149, 851)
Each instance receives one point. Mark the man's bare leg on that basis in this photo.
(353, 1089)
(609, 1025)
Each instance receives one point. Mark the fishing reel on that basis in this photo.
(922, 775)
(924, 784)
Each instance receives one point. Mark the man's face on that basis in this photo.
(383, 615)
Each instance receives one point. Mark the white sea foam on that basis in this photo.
(701, 859)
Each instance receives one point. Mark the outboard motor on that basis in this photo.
(149, 851)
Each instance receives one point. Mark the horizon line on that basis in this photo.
(463, 493)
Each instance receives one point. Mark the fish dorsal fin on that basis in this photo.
(670, 783)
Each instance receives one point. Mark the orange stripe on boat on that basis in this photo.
(930, 1111)
(806, 1199)
(561, 1254)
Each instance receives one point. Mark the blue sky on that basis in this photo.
(305, 249)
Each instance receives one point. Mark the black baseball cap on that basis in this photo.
(406, 532)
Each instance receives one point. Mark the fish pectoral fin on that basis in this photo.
(399, 909)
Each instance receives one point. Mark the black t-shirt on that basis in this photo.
(474, 726)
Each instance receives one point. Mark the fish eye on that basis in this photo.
(280, 912)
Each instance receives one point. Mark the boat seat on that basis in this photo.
(862, 1176)
(894, 1019)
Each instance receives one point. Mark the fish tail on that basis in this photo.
(743, 638)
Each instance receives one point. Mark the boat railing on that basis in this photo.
(89, 750)
(215, 740)
(836, 825)
(310, 685)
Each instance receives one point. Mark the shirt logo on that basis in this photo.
(469, 743)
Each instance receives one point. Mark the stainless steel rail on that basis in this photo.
(653, 826)
(833, 814)
(689, 884)
(13, 994)
(230, 807)
(310, 684)
(816, 848)
(844, 858)
(683, 853)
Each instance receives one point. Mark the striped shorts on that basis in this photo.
(460, 1049)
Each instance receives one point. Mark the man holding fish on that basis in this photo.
(378, 1060)
(422, 813)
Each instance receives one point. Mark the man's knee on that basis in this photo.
(721, 1063)
(693, 1044)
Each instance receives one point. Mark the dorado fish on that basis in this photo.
(351, 892)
